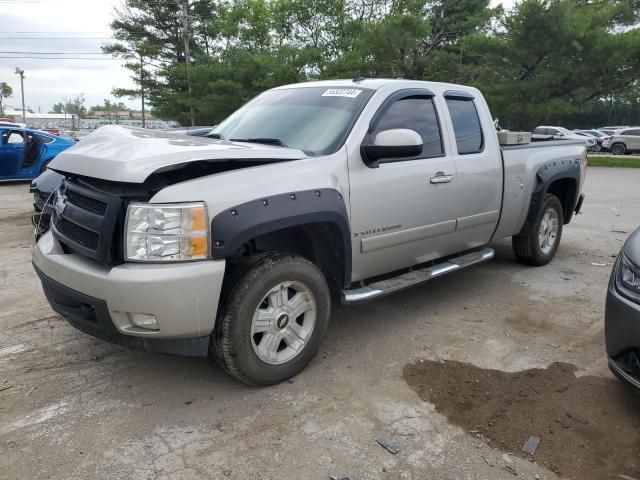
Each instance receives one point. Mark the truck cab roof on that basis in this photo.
(380, 83)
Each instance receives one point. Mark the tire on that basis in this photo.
(255, 340)
(534, 247)
(618, 149)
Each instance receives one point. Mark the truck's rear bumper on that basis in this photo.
(104, 301)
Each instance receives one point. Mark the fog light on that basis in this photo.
(143, 320)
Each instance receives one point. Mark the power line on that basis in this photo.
(53, 33)
(61, 58)
(57, 38)
(52, 53)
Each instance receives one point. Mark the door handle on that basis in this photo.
(441, 177)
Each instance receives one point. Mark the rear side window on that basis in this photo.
(633, 133)
(466, 125)
(44, 138)
(414, 113)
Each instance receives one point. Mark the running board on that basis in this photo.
(414, 277)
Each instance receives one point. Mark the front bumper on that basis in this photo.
(622, 334)
(101, 300)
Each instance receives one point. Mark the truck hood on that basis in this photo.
(125, 154)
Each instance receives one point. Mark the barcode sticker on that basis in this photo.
(342, 92)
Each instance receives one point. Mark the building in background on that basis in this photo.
(66, 121)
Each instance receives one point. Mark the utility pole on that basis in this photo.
(142, 87)
(21, 73)
(184, 6)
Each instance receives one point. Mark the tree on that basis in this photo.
(58, 108)
(554, 58)
(543, 60)
(5, 92)
(72, 106)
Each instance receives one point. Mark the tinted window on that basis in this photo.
(466, 125)
(43, 138)
(540, 131)
(414, 113)
(634, 133)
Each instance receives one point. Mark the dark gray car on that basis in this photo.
(622, 314)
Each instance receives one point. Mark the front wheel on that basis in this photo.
(537, 244)
(272, 320)
(618, 149)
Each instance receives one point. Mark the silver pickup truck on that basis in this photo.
(234, 246)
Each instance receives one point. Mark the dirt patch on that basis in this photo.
(589, 426)
(17, 219)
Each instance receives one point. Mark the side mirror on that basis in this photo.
(394, 143)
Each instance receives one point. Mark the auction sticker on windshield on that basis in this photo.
(342, 92)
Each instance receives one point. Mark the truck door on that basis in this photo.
(479, 164)
(12, 150)
(402, 213)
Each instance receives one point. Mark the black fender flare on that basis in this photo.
(234, 226)
(545, 176)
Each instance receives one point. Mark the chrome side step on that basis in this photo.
(415, 277)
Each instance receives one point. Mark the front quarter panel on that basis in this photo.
(245, 203)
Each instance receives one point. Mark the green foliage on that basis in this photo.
(546, 61)
(72, 106)
(610, 161)
(5, 92)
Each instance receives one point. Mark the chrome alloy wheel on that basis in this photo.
(548, 232)
(283, 323)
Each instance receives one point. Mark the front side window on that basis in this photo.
(466, 125)
(13, 138)
(313, 119)
(418, 114)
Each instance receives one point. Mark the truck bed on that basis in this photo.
(520, 164)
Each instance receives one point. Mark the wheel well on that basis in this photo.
(320, 243)
(565, 189)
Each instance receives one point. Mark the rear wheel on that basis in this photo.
(537, 244)
(272, 322)
(618, 149)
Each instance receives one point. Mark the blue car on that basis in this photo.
(25, 153)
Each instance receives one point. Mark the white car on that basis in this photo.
(559, 133)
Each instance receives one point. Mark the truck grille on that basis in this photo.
(84, 237)
(87, 203)
(85, 221)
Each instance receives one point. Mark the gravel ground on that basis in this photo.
(75, 407)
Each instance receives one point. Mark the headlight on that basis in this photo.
(166, 233)
(628, 279)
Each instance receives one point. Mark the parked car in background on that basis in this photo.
(611, 130)
(560, 133)
(599, 135)
(598, 145)
(624, 141)
(622, 313)
(25, 153)
(311, 189)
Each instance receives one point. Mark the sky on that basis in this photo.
(76, 27)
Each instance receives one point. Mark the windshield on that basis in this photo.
(313, 119)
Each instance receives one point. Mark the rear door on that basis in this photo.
(632, 138)
(12, 150)
(401, 212)
(479, 166)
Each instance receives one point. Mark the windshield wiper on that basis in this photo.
(266, 140)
